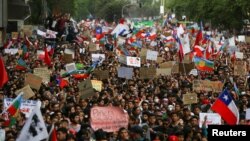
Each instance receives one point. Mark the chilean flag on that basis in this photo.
(99, 33)
(225, 106)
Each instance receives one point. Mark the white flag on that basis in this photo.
(34, 128)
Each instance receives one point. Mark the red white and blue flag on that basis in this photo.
(225, 106)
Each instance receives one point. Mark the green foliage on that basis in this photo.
(223, 14)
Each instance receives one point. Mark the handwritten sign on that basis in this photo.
(125, 72)
(86, 89)
(70, 67)
(67, 58)
(152, 55)
(168, 64)
(206, 85)
(189, 98)
(97, 85)
(27, 92)
(26, 105)
(44, 73)
(101, 74)
(11, 51)
(147, 73)
(134, 61)
(212, 119)
(33, 80)
(163, 71)
(110, 119)
(240, 68)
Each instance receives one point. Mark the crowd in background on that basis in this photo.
(155, 106)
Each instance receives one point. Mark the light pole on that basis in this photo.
(127, 6)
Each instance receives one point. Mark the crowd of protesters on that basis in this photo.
(155, 107)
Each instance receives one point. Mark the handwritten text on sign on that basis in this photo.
(110, 119)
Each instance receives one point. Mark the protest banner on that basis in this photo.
(97, 85)
(125, 72)
(70, 51)
(152, 55)
(27, 92)
(67, 58)
(110, 119)
(26, 105)
(168, 64)
(212, 119)
(97, 57)
(147, 73)
(163, 71)
(101, 74)
(44, 73)
(86, 89)
(190, 98)
(240, 68)
(70, 67)
(206, 85)
(11, 51)
(33, 80)
(133, 61)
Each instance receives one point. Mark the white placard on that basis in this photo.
(212, 119)
(231, 41)
(97, 57)
(70, 67)
(11, 51)
(186, 44)
(161, 9)
(26, 105)
(241, 38)
(239, 55)
(248, 114)
(133, 61)
(152, 55)
(2, 135)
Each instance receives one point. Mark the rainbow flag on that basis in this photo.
(203, 64)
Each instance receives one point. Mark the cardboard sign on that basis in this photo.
(92, 47)
(187, 69)
(27, 92)
(187, 59)
(70, 51)
(189, 98)
(44, 73)
(175, 68)
(110, 119)
(240, 68)
(67, 58)
(70, 67)
(27, 30)
(101, 74)
(212, 119)
(206, 85)
(86, 89)
(125, 72)
(163, 71)
(143, 52)
(147, 73)
(133, 61)
(152, 55)
(248, 39)
(168, 64)
(97, 85)
(14, 35)
(160, 59)
(33, 80)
